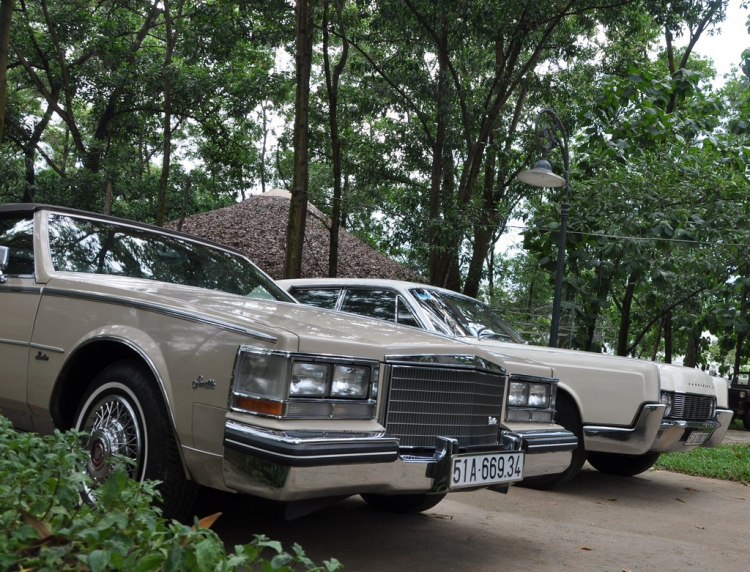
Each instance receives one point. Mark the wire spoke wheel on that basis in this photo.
(125, 420)
(115, 432)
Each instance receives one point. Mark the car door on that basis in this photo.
(19, 300)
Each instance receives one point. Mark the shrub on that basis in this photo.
(44, 526)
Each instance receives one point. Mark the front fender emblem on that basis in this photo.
(204, 383)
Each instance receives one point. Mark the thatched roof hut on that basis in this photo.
(257, 227)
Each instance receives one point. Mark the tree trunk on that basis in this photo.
(483, 229)
(185, 201)
(655, 350)
(433, 229)
(668, 338)
(6, 15)
(107, 210)
(295, 232)
(627, 303)
(332, 88)
(171, 38)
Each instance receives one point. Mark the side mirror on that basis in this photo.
(4, 255)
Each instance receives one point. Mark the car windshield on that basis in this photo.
(465, 316)
(97, 247)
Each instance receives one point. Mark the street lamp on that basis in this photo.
(542, 176)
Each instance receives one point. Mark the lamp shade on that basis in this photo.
(541, 176)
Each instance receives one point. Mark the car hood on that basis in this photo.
(587, 368)
(295, 327)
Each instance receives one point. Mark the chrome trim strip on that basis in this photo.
(724, 417)
(48, 348)
(635, 440)
(465, 361)
(310, 448)
(149, 307)
(22, 289)
(14, 342)
(323, 357)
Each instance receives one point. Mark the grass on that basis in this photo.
(725, 462)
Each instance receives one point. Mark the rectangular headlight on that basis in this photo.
(350, 381)
(309, 379)
(261, 375)
(518, 395)
(539, 395)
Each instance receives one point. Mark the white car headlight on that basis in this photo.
(309, 379)
(531, 399)
(350, 381)
(539, 395)
(666, 399)
(518, 395)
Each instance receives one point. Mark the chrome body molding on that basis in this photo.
(651, 433)
(290, 466)
(548, 452)
(47, 348)
(22, 289)
(635, 440)
(724, 417)
(672, 433)
(455, 360)
(165, 310)
(13, 342)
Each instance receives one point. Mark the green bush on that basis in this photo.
(44, 526)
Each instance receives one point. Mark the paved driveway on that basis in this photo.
(658, 522)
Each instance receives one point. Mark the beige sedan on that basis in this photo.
(184, 357)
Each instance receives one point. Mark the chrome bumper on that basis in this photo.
(547, 452)
(651, 433)
(291, 466)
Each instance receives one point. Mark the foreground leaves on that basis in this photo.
(44, 526)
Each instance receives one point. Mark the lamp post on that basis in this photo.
(542, 176)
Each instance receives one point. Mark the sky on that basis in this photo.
(726, 49)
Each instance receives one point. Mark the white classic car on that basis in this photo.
(625, 412)
(184, 357)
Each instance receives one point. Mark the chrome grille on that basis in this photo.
(692, 407)
(427, 402)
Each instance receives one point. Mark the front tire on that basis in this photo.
(746, 420)
(402, 504)
(124, 414)
(622, 465)
(567, 416)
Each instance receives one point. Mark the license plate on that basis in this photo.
(486, 469)
(697, 438)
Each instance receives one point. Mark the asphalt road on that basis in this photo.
(658, 522)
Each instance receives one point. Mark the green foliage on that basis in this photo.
(44, 525)
(725, 462)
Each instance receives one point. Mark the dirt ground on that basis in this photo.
(657, 522)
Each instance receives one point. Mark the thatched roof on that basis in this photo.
(257, 227)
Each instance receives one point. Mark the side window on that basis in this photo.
(318, 297)
(18, 235)
(404, 314)
(380, 304)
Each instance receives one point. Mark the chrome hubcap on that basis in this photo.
(114, 432)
